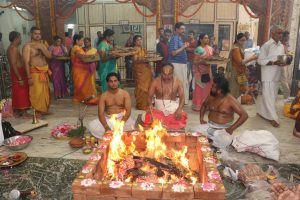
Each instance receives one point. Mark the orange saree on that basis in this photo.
(143, 77)
(83, 76)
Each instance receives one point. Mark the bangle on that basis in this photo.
(20, 80)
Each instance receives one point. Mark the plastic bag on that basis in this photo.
(230, 161)
(260, 142)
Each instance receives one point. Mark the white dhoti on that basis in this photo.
(267, 102)
(97, 129)
(215, 132)
(168, 107)
(181, 72)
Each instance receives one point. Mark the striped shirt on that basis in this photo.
(176, 43)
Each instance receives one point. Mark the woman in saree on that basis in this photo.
(83, 73)
(202, 72)
(108, 61)
(236, 69)
(142, 74)
(58, 68)
(294, 113)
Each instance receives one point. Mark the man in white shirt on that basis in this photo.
(270, 75)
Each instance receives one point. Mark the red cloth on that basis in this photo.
(191, 55)
(169, 121)
(163, 50)
(20, 94)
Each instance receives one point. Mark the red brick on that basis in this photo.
(138, 192)
(168, 193)
(79, 197)
(124, 191)
(218, 194)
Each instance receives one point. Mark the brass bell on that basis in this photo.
(34, 119)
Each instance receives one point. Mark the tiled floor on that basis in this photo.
(64, 111)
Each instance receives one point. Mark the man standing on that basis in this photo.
(20, 88)
(168, 109)
(163, 49)
(114, 101)
(178, 57)
(249, 42)
(270, 75)
(81, 33)
(34, 55)
(221, 107)
(285, 70)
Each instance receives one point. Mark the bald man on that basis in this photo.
(270, 75)
(169, 100)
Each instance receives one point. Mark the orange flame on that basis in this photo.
(155, 149)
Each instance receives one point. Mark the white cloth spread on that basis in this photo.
(270, 75)
(96, 128)
(168, 107)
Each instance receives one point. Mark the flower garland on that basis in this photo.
(140, 12)
(212, 1)
(125, 1)
(188, 16)
(249, 13)
(28, 19)
(157, 17)
(9, 5)
(70, 13)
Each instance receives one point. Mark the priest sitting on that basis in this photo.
(168, 107)
(221, 107)
(114, 101)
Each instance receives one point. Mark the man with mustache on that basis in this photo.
(221, 107)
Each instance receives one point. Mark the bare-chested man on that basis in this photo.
(34, 55)
(113, 101)
(169, 100)
(221, 107)
(20, 88)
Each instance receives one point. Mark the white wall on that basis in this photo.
(11, 21)
(246, 23)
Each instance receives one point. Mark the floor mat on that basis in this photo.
(52, 178)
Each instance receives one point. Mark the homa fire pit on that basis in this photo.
(150, 164)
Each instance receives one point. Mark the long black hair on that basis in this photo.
(76, 37)
(135, 39)
(201, 36)
(238, 37)
(107, 33)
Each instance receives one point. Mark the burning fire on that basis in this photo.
(156, 163)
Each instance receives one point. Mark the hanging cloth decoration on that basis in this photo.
(27, 19)
(191, 15)
(139, 10)
(249, 13)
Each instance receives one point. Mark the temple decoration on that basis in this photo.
(141, 12)
(157, 17)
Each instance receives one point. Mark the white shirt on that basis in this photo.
(269, 52)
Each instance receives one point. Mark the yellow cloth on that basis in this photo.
(91, 51)
(83, 76)
(39, 92)
(143, 77)
(287, 108)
